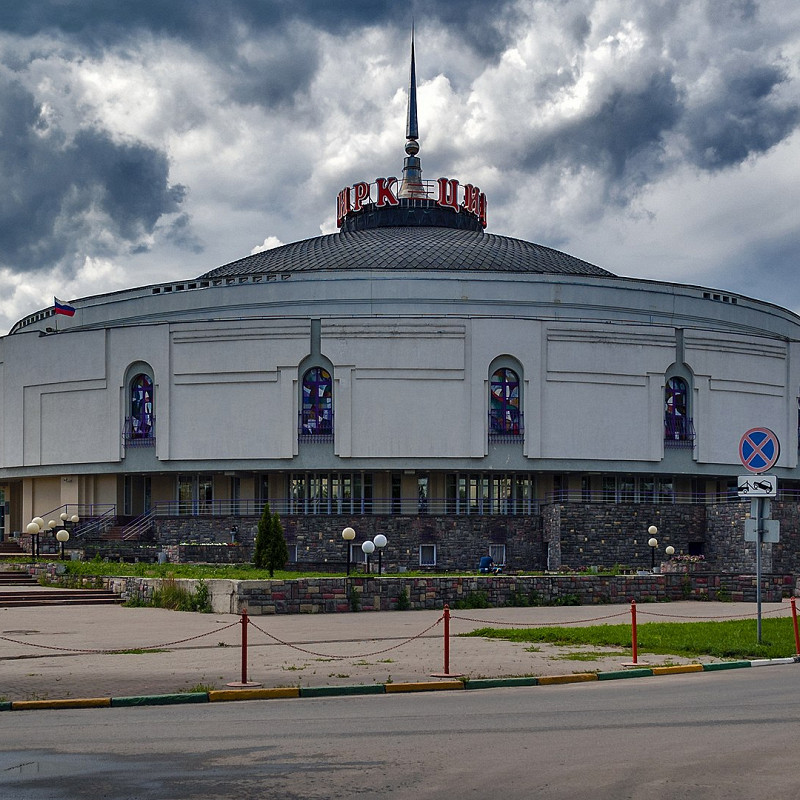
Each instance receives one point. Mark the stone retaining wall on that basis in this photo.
(335, 595)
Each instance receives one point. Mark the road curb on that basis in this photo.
(226, 695)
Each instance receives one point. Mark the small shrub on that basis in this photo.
(354, 599)
(176, 597)
(569, 599)
(473, 600)
(403, 601)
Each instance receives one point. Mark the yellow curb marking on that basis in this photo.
(252, 694)
(579, 677)
(423, 686)
(676, 669)
(85, 702)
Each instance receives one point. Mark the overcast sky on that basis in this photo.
(152, 140)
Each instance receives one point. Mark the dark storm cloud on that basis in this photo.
(287, 58)
(742, 118)
(101, 23)
(622, 138)
(66, 198)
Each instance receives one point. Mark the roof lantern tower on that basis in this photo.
(411, 202)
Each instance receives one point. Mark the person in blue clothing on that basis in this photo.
(486, 564)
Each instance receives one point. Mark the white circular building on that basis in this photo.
(463, 393)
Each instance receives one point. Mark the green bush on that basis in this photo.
(473, 600)
(270, 550)
(403, 601)
(178, 598)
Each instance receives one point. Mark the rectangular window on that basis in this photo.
(292, 548)
(357, 555)
(427, 555)
(185, 494)
(627, 489)
(497, 552)
(422, 494)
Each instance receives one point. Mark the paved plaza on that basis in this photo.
(60, 652)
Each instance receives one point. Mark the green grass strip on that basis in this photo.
(728, 640)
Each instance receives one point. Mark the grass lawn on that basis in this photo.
(728, 640)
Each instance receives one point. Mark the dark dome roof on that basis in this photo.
(409, 248)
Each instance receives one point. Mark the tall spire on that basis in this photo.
(412, 130)
(412, 185)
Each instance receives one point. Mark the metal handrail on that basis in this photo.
(142, 524)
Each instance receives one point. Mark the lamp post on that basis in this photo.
(380, 542)
(66, 518)
(63, 538)
(652, 542)
(368, 548)
(348, 534)
(669, 550)
(33, 528)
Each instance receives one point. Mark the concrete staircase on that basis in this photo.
(10, 549)
(24, 591)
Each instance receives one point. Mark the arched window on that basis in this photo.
(316, 414)
(678, 425)
(505, 417)
(141, 423)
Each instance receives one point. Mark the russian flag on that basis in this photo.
(63, 308)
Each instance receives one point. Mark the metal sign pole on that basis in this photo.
(759, 537)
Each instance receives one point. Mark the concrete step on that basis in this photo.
(45, 596)
(17, 579)
(44, 601)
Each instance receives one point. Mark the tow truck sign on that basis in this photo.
(757, 485)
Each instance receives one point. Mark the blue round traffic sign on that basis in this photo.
(759, 449)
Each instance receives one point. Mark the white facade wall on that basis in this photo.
(411, 362)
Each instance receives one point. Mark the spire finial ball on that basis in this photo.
(412, 147)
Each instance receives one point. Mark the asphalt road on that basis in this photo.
(728, 735)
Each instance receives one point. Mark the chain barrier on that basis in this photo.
(538, 624)
(339, 657)
(716, 618)
(118, 649)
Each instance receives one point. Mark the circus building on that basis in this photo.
(461, 392)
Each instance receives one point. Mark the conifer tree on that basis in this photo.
(270, 550)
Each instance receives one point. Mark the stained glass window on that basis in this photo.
(317, 411)
(675, 409)
(142, 419)
(504, 416)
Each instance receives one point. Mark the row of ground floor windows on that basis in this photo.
(412, 493)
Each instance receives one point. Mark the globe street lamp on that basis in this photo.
(348, 534)
(380, 542)
(63, 538)
(66, 518)
(368, 548)
(653, 544)
(33, 529)
(669, 550)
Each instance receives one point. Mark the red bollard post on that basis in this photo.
(794, 620)
(634, 643)
(244, 646)
(446, 639)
